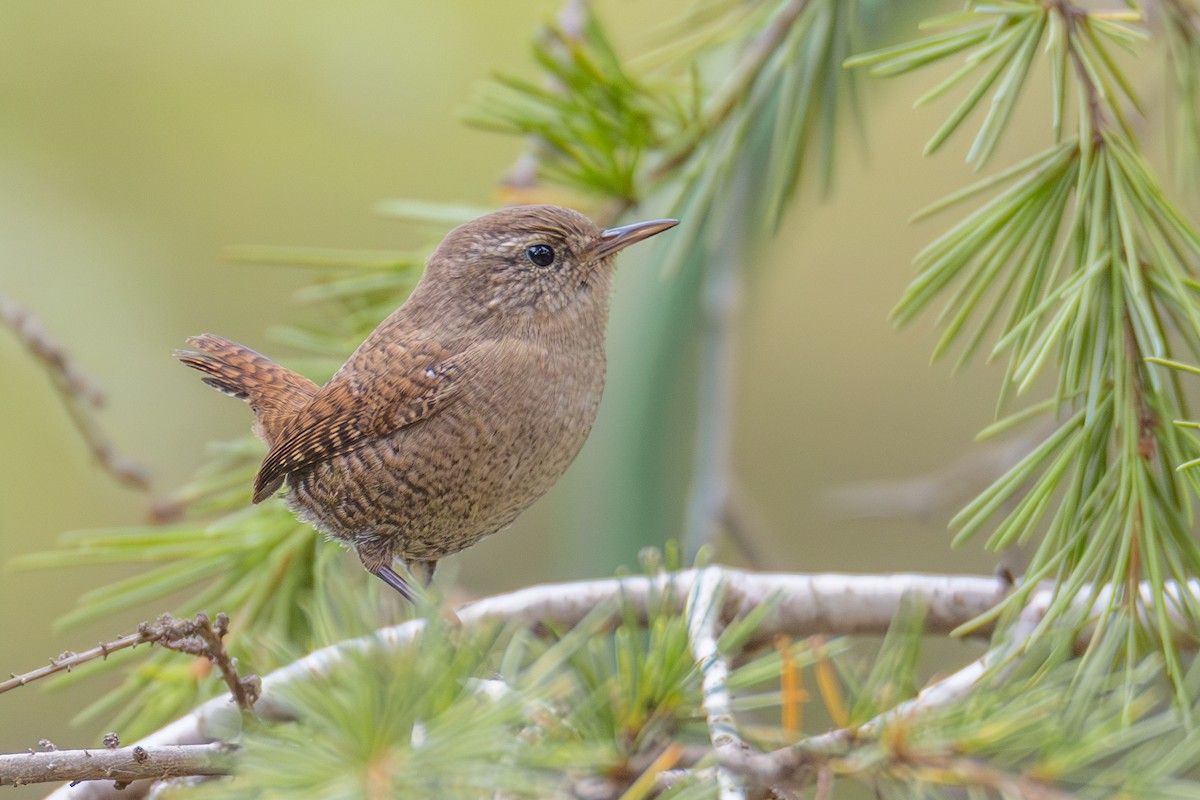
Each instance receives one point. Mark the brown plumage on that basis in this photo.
(461, 409)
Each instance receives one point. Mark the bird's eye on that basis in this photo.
(540, 254)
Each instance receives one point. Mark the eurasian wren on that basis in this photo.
(461, 409)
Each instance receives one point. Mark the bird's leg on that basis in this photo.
(376, 556)
(422, 570)
(388, 575)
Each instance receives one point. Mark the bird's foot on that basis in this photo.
(389, 576)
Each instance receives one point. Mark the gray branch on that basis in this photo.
(122, 765)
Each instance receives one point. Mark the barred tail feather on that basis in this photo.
(274, 392)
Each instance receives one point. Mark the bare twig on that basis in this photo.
(122, 765)
(205, 638)
(79, 394)
(30, 333)
(743, 525)
(824, 788)
(929, 496)
(198, 637)
(703, 614)
(69, 660)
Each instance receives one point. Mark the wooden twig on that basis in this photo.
(79, 394)
(122, 765)
(198, 636)
(65, 662)
(744, 525)
(824, 787)
(931, 495)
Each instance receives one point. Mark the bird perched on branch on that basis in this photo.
(461, 409)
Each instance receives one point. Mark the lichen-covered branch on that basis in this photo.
(703, 615)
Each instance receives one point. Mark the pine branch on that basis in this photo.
(1181, 29)
(795, 605)
(1079, 263)
(800, 763)
(1084, 267)
(798, 605)
(801, 770)
(948, 734)
(732, 93)
(710, 497)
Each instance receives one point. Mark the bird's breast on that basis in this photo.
(439, 485)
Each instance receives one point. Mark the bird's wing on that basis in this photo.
(419, 378)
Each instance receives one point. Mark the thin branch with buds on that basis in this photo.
(80, 395)
(199, 636)
(123, 765)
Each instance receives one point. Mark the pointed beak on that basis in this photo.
(614, 239)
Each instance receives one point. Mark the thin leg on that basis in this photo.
(423, 571)
(388, 575)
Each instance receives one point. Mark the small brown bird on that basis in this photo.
(461, 409)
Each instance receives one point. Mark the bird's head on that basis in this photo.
(531, 262)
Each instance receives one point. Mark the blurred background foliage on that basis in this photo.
(142, 146)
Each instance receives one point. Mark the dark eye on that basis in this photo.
(540, 254)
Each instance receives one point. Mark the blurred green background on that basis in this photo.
(140, 140)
